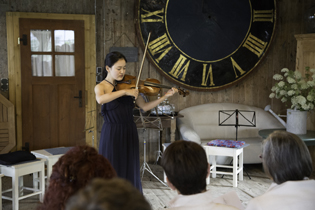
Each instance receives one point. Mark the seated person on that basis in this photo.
(113, 194)
(186, 167)
(287, 161)
(73, 171)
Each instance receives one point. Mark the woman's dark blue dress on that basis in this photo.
(119, 141)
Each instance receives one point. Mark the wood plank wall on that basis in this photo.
(254, 90)
(115, 26)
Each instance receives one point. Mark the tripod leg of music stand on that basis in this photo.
(246, 173)
(159, 153)
(150, 171)
(142, 170)
(145, 165)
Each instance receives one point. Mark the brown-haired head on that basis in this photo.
(186, 166)
(73, 171)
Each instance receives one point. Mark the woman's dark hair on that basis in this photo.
(112, 194)
(286, 157)
(73, 171)
(111, 59)
(186, 166)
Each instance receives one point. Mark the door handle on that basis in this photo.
(79, 97)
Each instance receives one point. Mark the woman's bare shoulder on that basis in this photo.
(103, 87)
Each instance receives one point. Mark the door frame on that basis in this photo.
(14, 69)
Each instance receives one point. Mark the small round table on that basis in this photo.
(308, 138)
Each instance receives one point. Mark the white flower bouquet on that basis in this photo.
(294, 89)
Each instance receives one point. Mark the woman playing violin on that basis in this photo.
(119, 141)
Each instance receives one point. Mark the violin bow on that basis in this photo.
(141, 67)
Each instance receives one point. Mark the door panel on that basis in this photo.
(41, 114)
(52, 73)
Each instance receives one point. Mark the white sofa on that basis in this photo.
(201, 124)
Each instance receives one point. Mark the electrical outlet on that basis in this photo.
(4, 84)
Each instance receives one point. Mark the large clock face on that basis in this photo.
(206, 44)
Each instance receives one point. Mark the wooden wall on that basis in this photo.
(119, 29)
(115, 26)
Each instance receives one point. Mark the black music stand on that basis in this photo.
(154, 124)
(242, 118)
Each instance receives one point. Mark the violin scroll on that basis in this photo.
(183, 92)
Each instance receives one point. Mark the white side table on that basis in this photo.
(236, 153)
(50, 159)
(16, 172)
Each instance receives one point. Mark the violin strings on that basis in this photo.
(156, 85)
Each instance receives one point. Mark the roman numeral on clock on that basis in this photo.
(237, 67)
(207, 75)
(263, 15)
(180, 68)
(147, 17)
(160, 45)
(255, 45)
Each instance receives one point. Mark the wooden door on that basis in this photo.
(52, 80)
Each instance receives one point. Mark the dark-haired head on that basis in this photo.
(73, 171)
(286, 157)
(186, 166)
(111, 59)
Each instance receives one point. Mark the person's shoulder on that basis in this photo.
(209, 206)
(103, 87)
(223, 207)
(229, 198)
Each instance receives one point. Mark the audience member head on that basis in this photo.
(110, 59)
(286, 157)
(72, 172)
(113, 194)
(186, 167)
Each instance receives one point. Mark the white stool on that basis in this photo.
(236, 153)
(16, 172)
(50, 159)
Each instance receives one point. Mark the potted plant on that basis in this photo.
(298, 92)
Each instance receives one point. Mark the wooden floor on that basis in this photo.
(159, 195)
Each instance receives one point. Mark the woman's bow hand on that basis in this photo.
(171, 92)
(132, 92)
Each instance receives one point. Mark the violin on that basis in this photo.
(149, 87)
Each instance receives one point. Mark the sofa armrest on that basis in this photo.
(188, 134)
